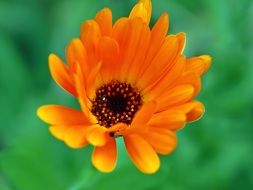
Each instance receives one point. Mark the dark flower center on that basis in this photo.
(116, 102)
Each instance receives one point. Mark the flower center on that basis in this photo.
(116, 102)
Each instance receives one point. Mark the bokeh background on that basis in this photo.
(213, 153)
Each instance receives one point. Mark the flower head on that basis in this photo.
(132, 82)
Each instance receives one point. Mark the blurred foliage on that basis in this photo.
(213, 153)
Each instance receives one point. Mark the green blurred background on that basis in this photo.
(213, 153)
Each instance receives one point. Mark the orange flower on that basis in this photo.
(132, 82)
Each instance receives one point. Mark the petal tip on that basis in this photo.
(51, 56)
(207, 59)
(196, 113)
(97, 136)
(143, 10)
(41, 111)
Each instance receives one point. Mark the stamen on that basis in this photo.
(116, 102)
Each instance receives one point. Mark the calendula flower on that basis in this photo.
(132, 82)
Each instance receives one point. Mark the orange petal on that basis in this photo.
(90, 35)
(162, 140)
(199, 64)
(160, 29)
(185, 108)
(144, 114)
(142, 10)
(58, 131)
(82, 95)
(194, 110)
(135, 66)
(117, 127)
(120, 33)
(142, 154)
(104, 157)
(133, 129)
(108, 49)
(93, 81)
(97, 135)
(158, 34)
(190, 78)
(129, 46)
(169, 119)
(196, 113)
(176, 95)
(73, 136)
(139, 11)
(60, 115)
(120, 29)
(168, 79)
(148, 5)
(60, 74)
(162, 62)
(76, 53)
(182, 41)
(104, 20)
